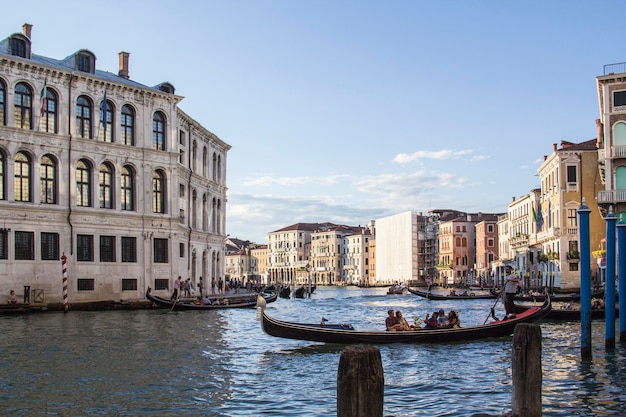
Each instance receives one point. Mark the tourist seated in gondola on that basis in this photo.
(405, 324)
(464, 294)
(452, 292)
(431, 321)
(199, 301)
(392, 323)
(453, 320)
(442, 319)
(597, 303)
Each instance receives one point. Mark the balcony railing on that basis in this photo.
(617, 68)
(612, 196)
(618, 151)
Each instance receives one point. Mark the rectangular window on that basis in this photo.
(49, 246)
(572, 218)
(572, 174)
(129, 284)
(4, 244)
(490, 243)
(490, 228)
(161, 284)
(85, 284)
(619, 98)
(107, 248)
(181, 250)
(25, 246)
(84, 63)
(161, 255)
(129, 249)
(84, 248)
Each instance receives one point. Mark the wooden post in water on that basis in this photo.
(360, 382)
(526, 371)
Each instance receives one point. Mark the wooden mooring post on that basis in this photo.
(360, 382)
(526, 371)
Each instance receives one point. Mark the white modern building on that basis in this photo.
(105, 173)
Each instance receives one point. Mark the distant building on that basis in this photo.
(356, 257)
(106, 173)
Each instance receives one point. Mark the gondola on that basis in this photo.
(285, 291)
(471, 296)
(244, 301)
(554, 297)
(397, 290)
(302, 291)
(566, 314)
(324, 333)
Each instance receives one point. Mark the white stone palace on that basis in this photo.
(105, 172)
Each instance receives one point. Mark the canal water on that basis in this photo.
(220, 363)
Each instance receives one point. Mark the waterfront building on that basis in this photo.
(105, 173)
(259, 263)
(569, 175)
(355, 257)
(370, 278)
(330, 250)
(486, 250)
(406, 248)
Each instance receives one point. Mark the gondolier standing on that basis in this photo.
(510, 289)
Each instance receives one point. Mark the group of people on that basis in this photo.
(439, 320)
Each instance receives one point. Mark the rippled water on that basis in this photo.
(220, 363)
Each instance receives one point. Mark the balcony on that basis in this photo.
(611, 196)
(618, 151)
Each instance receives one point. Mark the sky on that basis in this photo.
(347, 111)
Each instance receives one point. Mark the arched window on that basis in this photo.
(23, 106)
(105, 185)
(214, 171)
(3, 168)
(464, 242)
(3, 103)
(219, 169)
(204, 161)
(194, 214)
(22, 170)
(49, 112)
(107, 121)
(48, 180)
(194, 155)
(204, 213)
(127, 188)
(457, 242)
(128, 125)
(83, 117)
(158, 131)
(83, 184)
(158, 192)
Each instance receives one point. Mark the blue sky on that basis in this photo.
(348, 111)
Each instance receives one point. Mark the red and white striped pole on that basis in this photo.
(64, 262)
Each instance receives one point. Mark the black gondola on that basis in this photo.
(285, 291)
(326, 334)
(470, 296)
(566, 314)
(244, 301)
(566, 298)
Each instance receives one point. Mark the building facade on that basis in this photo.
(103, 176)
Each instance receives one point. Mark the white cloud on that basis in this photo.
(444, 154)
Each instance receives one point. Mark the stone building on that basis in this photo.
(105, 173)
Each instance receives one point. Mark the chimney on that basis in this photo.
(26, 29)
(545, 157)
(124, 65)
(599, 137)
(554, 145)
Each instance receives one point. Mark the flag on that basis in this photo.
(43, 97)
(103, 108)
(538, 217)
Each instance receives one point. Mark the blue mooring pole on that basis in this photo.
(585, 282)
(621, 274)
(609, 285)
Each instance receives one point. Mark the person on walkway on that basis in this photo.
(177, 284)
(213, 286)
(12, 298)
(510, 289)
(220, 285)
(200, 286)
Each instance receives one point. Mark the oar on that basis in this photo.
(494, 305)
(175, 301)
(428, 292)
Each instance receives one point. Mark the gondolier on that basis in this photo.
(510, 289)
